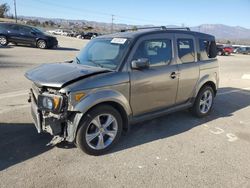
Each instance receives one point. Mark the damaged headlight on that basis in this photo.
(50, 103)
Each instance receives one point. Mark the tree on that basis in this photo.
(4, 8)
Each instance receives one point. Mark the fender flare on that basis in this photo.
(90, 101)
(206, 79)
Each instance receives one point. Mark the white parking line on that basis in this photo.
(246, 77)
(13, 94)
(6, 110)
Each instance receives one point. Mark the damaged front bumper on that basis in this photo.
(54, 124)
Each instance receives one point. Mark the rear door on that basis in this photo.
(188, 66)
(13, 33)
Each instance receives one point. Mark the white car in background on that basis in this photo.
(58, 32)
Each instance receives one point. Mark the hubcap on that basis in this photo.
(101, 131)
(206, 101)
(3, 40)
(41, 44)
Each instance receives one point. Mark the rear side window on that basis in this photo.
(3, 26)
(157, 51)
(186, 50)
(208, 49)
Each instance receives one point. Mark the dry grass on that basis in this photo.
(8, 20)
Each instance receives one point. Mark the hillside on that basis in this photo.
(220, 31)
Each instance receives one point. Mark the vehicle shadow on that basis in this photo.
(31, 46)
(20, 141)
(64, 49)
(227, 102)
(8, 46)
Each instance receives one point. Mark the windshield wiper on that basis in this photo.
(95, 63)
(78, 60)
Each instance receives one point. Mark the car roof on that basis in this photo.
(138, 33)
(8, 23)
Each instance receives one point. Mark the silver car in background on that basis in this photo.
(121, 79)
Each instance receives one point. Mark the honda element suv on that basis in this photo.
(121, 79)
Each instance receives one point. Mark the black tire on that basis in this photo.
(41, 44)
(3, 40)
(196, 108)
(84, 127)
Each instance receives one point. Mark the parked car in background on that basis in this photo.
(90, 35)
(60, 32)
(23, 34)
(236, 49)
(80, 35)
(224, 50)
(244, 50)
(120, 79)
(73, 34)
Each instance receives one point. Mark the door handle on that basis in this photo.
(173, 75)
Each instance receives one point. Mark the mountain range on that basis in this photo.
(220, 31)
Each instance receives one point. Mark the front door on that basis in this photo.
(156, 87)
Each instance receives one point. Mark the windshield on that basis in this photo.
(105, 53)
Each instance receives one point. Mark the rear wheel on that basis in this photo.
(219, 53)
(3, 40)
(41, 44)
(99, 130)
(203, 102)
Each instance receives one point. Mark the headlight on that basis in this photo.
(50, 102)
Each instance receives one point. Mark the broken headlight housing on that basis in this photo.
(50, 103)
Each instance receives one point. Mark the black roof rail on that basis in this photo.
(139, 28)
(179, 28)
(157, 27)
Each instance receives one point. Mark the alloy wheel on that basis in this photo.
(3, 40)
(206, 101)
(101, 131)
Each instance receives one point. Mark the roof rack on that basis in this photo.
(157, 27)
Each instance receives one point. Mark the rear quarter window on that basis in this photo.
(208, 49)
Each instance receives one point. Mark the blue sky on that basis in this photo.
(157, 12)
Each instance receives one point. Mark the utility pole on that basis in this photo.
(15, 10)
(112, 23)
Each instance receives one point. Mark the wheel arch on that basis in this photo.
(208, 83)
(207, 80)
(117, 101)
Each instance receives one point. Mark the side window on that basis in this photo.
(186, 50)
(157, 51)
(25, 29)
(14, 27)
(207, 49)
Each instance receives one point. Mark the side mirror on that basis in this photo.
(142, 63)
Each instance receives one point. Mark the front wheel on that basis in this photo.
(203, 102)
(41, 44)
(99, 130)
(3, 40)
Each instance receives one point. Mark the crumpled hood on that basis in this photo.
(58, 75)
